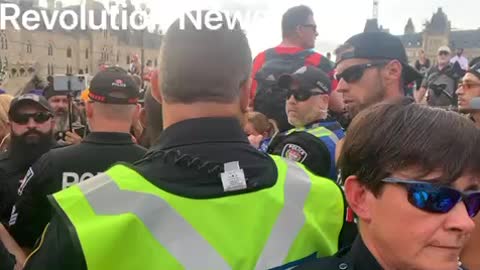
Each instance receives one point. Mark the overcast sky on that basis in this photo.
(336, 19)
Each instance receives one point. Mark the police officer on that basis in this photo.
(202, 198)
(314, 138)
(31, 135)
(408, 217)
(110, 112)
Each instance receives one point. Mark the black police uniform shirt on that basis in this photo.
(356, 257)
(11, 174)
(211, 142)
(61, 168)
(307, 149)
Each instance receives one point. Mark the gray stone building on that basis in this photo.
(43, 52)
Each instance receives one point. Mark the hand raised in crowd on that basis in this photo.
(72, 138)
(255, 140)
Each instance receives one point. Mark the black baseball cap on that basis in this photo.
(29, 98)
(307, 78)
(475, 70)
(378, 45)
(114, 86)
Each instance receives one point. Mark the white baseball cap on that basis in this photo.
(444, 49)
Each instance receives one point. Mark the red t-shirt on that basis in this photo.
(314, 59)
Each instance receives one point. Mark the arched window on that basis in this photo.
(51, 69)
(50, 50)
(30, 70)
(3, 41)
(13, 71)
(86, 53)
(128, 59)
(118, 58)
(156, 62)
(86, 69)
(69, 52)
(29, 47)
(22, 71)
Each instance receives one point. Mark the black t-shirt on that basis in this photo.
(61, 168)
(170, 166)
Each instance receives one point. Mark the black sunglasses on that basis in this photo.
(23, 118)
(443, 53)
(436, 198)
(303, 95)
(355, 73)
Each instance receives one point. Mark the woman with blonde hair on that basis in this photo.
(5, 101)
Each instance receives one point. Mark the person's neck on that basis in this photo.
(319, 119)
(375, 251)
(178, 112)
(442, 66)
(290, 43)
(109, 126)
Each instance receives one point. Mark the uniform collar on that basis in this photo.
(202, 130)
(109, 138)
(319, 123)
(361, 257)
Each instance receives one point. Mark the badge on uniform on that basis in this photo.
(233, 178)
(294, 152)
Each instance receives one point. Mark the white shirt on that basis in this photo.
(462, 60)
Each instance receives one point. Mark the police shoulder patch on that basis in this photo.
(294, 152)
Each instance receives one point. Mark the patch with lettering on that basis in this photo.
(294, 152)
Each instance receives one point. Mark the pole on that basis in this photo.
(143, 57)
(70, 103)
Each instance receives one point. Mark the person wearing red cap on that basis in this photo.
(111, 108)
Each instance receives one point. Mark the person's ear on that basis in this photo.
(357, 196)
(155, 89)
(89, 109)
(245, 95)
(136, 113)
(325, 100)
(393, 71)
(143, 117)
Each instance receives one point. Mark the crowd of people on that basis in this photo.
(285, 160)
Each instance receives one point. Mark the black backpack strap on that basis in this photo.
(270, 53)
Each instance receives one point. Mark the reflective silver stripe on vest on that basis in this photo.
(334, 137)
(291, 218)
(191, 249)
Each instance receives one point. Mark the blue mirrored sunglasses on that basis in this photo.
(436, 198)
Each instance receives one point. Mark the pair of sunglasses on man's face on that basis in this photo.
(38, 117)
(355, 73)
(303, 95)
(436, 198)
